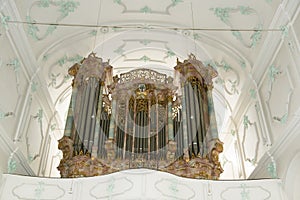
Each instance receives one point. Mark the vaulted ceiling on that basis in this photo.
(236, 37)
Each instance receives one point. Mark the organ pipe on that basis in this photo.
(98, 123)
(112, 119)
(126, 128)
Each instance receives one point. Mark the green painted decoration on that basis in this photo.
(283, 119)
(245, 193)
(66, 78)
(237, 35)
(5, 114)
(145, 58)
(65, 7)
(224, 15)
(33, 30)
(233, 132)
(118, 1)
(11, 166)
(246, 122)
(44, 3)
(40, 115)
(175, 2)
(174, 186)
(53, 80)
(272, 170)
(34, 86)
(284, 30)
(252, 93)
(45, 57)
(234, 85)
(4, 19)
(93, 33)
(219, 81)
(145, 10)
(120, 50)
(256, 36)
(53, 127)
(211, 63)
(65, 59)
(273, 72)
(242, 64)
(169, 53)
(39, 190)
(111, 186)
(15, 64)
(246, 10)
(225, 66)
(145, 42)
(196, 36)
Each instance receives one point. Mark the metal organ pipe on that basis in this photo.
(116, 131)
(82, 116)
(97, 125)
(94, 107)
(184, 120)
(196, 118)
(149, 129)
(201, 135)
(90, 106)
(170, 121)
(156, 136)
(133, 126)
(188, 119)
(125, 127)
(192, 117)
(112, 119)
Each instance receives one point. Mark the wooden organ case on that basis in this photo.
(141, 119)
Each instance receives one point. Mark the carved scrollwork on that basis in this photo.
(145, 74)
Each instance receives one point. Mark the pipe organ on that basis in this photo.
(141, 119)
